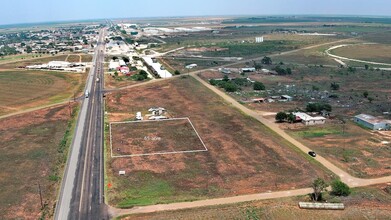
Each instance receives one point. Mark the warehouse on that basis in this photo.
(372, 122)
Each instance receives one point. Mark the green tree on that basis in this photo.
(259, 86)
(29, 49)
(370, 99)
(230, 87)
(318, 107)
(319, 185)
(213, 82)
(258, 66)
(339, 188)
(365, 94)
(291, 118)
(267, 61)
(366, 66)
(115, 73)
(289, 71)
(281, 116)
(177, 72)
(225, 78)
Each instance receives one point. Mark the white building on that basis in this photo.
(309, 120)
(113, 65)
(163, 73)
(191, 66)
(58, 64)
(259, 39)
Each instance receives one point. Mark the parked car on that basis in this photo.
(312, 153)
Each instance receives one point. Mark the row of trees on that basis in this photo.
(235, 84)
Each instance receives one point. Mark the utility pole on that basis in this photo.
(40, 195)
(70, 109)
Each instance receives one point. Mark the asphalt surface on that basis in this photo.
(81, 195)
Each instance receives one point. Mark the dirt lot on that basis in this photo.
(364, 203)
(21, 90)
(357, 150)
(244, 156)
(151, 137)
(118, 82)
(31, 154)
(73, 58)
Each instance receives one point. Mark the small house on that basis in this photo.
(259, 100)
(309, 120)
(286, 98)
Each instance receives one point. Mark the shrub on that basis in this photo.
(281, 116)
(339, 188)
(259, 86)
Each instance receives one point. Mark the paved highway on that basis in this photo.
(81, 195)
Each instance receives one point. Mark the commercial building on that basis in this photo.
(372, 122)
(258, 39)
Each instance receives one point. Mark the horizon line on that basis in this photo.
(10, 25)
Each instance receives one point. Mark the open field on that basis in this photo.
(20, 90)
(19, 57)
(363, 203)
(179, 63)
(76, 58)
(245, 34)
(144, 138)
(24, 63)
(368, 52)
(243, 155)
(33, 151)
(86, 58)
(313, 56)
(73, 58)
(351, 147)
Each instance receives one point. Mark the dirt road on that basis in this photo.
(209, 202)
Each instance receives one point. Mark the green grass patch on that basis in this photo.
(317, 132)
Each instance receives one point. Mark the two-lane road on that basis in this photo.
(81, 195)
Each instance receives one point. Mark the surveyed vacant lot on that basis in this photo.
(33, 150)
(243, 155)
(144, 138)
(361, 152)
(363, 203)
(21, 90)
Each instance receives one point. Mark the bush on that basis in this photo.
(230, 87)
(281, 116)
(318, 107)
(334, 86)
(213, 82)
(259, 86)
(339, 188)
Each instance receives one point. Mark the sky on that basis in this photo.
(31, 11)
